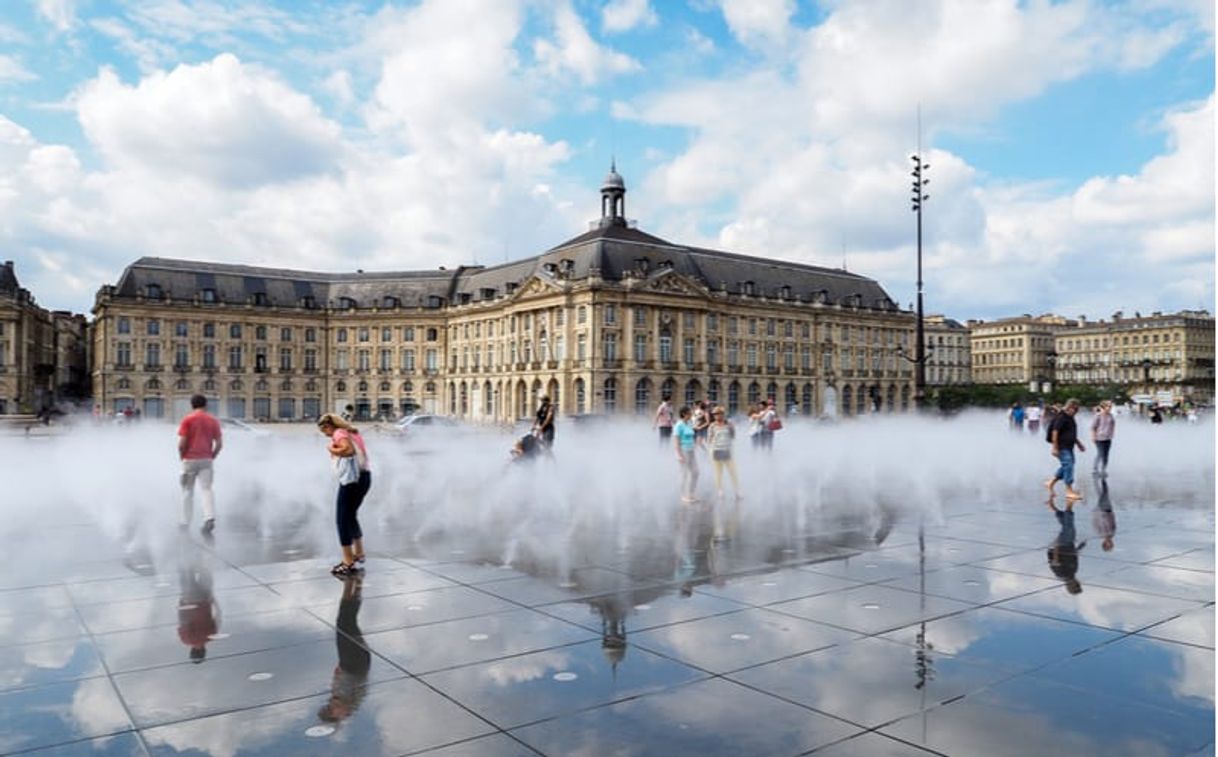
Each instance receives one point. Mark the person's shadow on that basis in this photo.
(198, 613)
(1063, 552)
(350, 681)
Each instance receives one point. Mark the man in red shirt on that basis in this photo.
(198, 444)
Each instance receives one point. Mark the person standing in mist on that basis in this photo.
(685, 441)
(543, 426)
(347, 444)
(663, 420)
(1103, 426)
(199, 442)
(1063, 435)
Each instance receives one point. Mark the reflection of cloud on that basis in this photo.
(1193, 669)
(96, 709)
(530, 668)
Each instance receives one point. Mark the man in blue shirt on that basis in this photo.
(685, 440)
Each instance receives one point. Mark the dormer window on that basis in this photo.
(510, 287)
(465, 298)
(309, 302)
(488, 293)
(346, 303)
(786, 292)
(153, 292)
(209, 295)
(550, 268)
(389, 302)
(749, 288)
(261, 299)
(434, 301)
(566, 265)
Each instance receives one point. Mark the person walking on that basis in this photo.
(663, 420)
(1103, 427)
(1016, 416)
(767, 424)
(1033, 417)
(685, 441)
(1063, 435)
(721, 435)
(702, 421)
(543, 425)
(350, 458)
(199, 442)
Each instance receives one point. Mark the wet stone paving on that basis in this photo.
(986, 630)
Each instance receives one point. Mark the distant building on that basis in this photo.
(42, 359)
(607, 322)
(948, 356)
(1014, 350)
(1160, 355)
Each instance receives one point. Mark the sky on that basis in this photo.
(1070, 143)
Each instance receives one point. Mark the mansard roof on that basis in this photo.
(612, 252)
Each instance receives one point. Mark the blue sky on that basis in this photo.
(1071, 142)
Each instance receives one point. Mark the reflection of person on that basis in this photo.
(1103, 519)
(199, 442)
(349, 684)
(1063, 435)
(346, 442)
(1063, 552)
(198, 615)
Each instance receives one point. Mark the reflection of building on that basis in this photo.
(606, 322)
(1171, 353)
(1013, 350)
(948, 359)
(42, 355)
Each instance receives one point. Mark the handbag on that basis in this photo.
(346, 470)
(775, 424)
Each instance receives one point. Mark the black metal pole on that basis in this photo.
(920, 336)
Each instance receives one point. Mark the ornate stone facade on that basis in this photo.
(42, 353)
(604, 323)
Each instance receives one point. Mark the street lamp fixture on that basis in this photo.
(1146, 364)
(919, 199)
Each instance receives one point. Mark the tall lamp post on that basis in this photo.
(919, 199)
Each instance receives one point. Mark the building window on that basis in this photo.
(285, 334)
(733, 325)
(433, 335)
(154, 327)
(733, 354)
(180, 329)
(788, 358)
(610, 347)
(408, 361)
(431, 360)
(340, 335)
(209, 295)
(642, 397)
(581, 347)
(769, 327)
(610, 395)
(750, 352)
(712, 351)
(234, 356)
(181, 356)
(122, 355)
(640, 317)
(581, 315)
(153, 291)
(285, 358)
(342, 360)
(386, 360)
(152, 355)
(665, 347)
(261, 300)
(124, 325)
(771, 357)
(754, 393)
(365, 360)
(610, 314)
(560, 348)
(260, 333)
(752, 327)
(688, 348)
(687, 320)
(310, 360)
(209, 357)
(640, 348)
(234, 331)
(712, 322)
(363, 333)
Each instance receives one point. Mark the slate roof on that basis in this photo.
(613, 251)
(8, 279)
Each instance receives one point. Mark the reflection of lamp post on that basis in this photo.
(924, 664)
(1146, 363)
(1051, 361)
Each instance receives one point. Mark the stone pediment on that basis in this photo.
(537, 286)
(671, 282)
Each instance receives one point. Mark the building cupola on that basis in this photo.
(613, 198)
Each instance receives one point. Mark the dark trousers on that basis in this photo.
(350, 497)
(1101, 453)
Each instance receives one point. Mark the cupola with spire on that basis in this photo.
(613, 198)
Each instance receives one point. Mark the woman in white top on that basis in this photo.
(720, 437)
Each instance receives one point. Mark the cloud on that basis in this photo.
(12, 70)
(222, 120)
(573, 49)
(623, 15)
(758, 23)
(60, 14)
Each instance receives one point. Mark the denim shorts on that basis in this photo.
(1065, 471)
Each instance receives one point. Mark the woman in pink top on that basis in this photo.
(346, 442)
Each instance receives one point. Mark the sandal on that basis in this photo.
(344, 569)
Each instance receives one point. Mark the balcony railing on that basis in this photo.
(181, 368)
(236, 369)
(124, 367)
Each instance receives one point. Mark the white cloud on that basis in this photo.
(221, 120)
(758, 23)
(624, 15)
(574, 50)
(13, 70)
(61, 14)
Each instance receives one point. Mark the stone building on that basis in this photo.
(948, 358)
(41, 357)
(604, 323)
(1014, 350)
(1161, 355)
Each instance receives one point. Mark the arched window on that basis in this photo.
(452, 398)
(693, 390)
(808, 400)
(385, 386)
(464, 399)
(733, 398)
(847, 400)
(771, 392)
(488, 399)
(580, 398)
(610, 395)
(792, 401)
(712, 391)
(642, 397)
(891, 403)
(340, 386)
(669, 389)
(861, 399)
(905, 397)
(754, 393)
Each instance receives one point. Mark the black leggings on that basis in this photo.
(350, 497)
